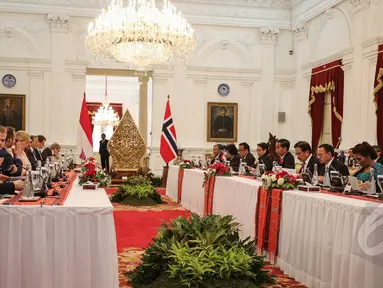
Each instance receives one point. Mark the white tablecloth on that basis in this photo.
(238, 197)
(73, 246)
(192, 191)
(318, 241)
(172, 182)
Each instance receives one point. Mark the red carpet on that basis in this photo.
(136, 226)
(136, 229)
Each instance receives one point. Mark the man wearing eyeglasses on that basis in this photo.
(326, 158)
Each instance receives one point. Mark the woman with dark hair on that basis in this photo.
(233, 157)
(263, 156)
(365, 155)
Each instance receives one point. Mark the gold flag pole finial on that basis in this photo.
(168, 96)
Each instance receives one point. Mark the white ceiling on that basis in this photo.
(283, 14)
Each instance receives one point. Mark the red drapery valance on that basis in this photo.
(94, 106)
(329, 77)
(378, 94)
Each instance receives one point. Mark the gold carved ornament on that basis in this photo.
(377, 88)
(127, 146)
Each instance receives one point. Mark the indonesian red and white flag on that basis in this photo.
(168, 146)
(85, 133)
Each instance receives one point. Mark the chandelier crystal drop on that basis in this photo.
(141, 35)
(105, 116)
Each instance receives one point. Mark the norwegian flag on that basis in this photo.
(82, 155)
(168, 146)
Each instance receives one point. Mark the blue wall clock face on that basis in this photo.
(223, 90)
(9, 81)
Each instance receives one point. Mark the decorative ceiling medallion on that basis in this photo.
(223, 90)
(9, 81)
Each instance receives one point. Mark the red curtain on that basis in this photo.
(378, 96)
(329, 77)
(94, 106)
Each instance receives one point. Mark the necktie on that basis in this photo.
(304, 167)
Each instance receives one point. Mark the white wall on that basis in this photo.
(46, 54)
(351, 31)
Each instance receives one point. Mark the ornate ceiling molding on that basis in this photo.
(304, 10)
(246, 13)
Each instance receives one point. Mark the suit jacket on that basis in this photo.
(335, 166)
(220, 157)
(32, 158)
(9, 162)
(103, 150)
(46, 153)
(267, 161)
(38, 155)
(311, 164)
(234, 162)
(7, 188)
(288, 161)
(249, 159)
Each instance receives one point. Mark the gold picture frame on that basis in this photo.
(12, 111)
(222, 122)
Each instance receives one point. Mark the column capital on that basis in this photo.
(200, 81)
(358, 5)
(268, 35)
(58, 22)
(246, 84)
(35, 74)
(301, 31)
(78, 76)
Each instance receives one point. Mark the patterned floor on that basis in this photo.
(130, 257)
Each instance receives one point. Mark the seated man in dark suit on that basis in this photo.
(282, 148)
(246, 156)
(9, 187)
(10, 166)
(218, 154)
(304, 154)
(31, 154)
(326, 158)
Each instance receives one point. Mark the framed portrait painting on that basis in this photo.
(12, 111)
(222, 122)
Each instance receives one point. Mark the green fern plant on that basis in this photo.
(200, 252)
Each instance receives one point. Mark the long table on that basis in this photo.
(68, 246)
(322, 240)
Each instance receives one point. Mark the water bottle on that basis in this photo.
(241, 167)
(257, 170)
(28, 184)
(275, 166)
(371, 185)
(315, 179)
(326, 181)
(38, 167)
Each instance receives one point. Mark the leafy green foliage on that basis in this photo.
(200, 252)
(156, 181)
(136, 188)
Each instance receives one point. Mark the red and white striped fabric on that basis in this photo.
(168, 145)
(85, 132)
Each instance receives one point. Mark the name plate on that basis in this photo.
(90, 186)
(306, 188)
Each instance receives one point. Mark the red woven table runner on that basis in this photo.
(50, 200)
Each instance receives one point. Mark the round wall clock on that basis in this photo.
(9, 81)
(223, 90)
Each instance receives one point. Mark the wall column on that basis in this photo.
(267, 117)
(36, 92)
(143, 109)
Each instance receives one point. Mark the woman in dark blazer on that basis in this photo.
(233, 157)
(263, 156)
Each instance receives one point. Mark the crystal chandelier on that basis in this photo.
(105, 116)
(141, 35)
